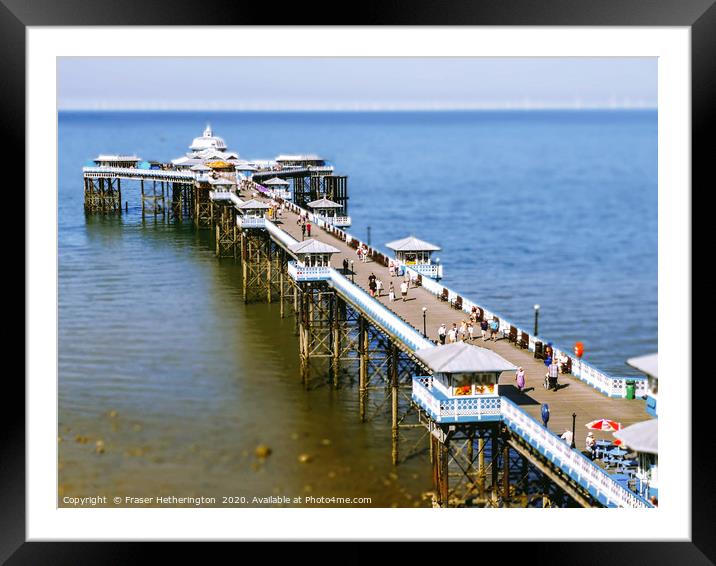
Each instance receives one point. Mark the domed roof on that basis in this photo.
(208, 141)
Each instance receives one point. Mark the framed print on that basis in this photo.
(307, 277)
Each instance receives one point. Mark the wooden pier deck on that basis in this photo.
(573, 396)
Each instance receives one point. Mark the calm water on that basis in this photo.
(555, 208)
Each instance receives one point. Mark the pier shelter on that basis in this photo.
(313, 261)
(417, 254)
(464, 385)
(251, 214)
(279, 186)
(643, 439)
(328, 210)
(130, 161)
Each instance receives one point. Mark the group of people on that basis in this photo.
(375, 286)
(305, 225)
(467, 330)
(362, 252)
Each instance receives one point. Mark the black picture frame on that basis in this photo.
(699, 15)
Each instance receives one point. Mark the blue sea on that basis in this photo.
(557, 208)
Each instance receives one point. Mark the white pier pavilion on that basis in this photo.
(252, 214)
(327, 210)
(464, 386)
(313, 260)
(417, 255)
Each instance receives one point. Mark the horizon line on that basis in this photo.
(526, 108)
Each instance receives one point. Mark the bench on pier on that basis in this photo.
(444, 295)
(524, 342)
(456, 303)
(512, 335)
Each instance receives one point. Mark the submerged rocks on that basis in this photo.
(262, 451)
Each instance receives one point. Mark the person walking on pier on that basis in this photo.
(404, 290)
(552, 375)
(442, 333)
(470, 330)
(463, 330)
(391, 268)
(379, 287)
(308, 229)
(371, 284)
(494, 327)
(391, 292)
(452, 334)
(483, 328)
(520, 378)
(303, 230)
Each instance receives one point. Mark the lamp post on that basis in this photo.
(369, 235)
(352, 273)
(574, 420)
(536, 307)
(425, 332)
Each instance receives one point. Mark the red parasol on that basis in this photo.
(604, 425)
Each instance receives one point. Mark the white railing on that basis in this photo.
(453, 409)
(572, 462)
(433, 270)
(336, 220)
(308, 273)
(382, 317)
(250, 222)
(134, 173)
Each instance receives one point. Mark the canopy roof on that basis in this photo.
(200, 167)
(253, 204)
(642, 437)
(461, 357)
(299, 157)
(412, 244)
(312, 246)
(106, 157)
(276, 181)
(649, 364)
(323, 203)
(219, 164)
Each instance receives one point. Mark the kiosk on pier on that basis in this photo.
(416, 254)
(464, 385)
(327, 210)
(313, 261)
(252, 214)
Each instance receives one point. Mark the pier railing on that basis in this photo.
(134, 173)
(582, 470)
(308, 273)
(381, 316)
(250, 222)
(454, 409)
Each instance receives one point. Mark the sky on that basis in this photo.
(359, 83)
